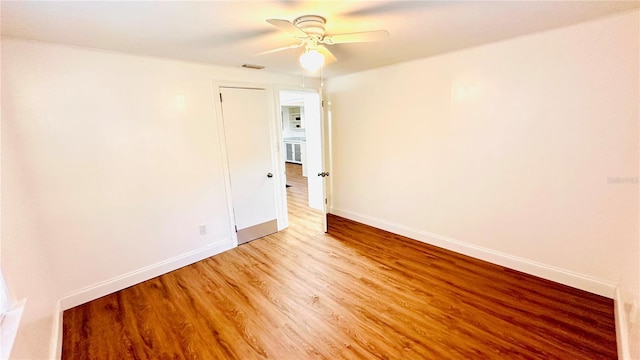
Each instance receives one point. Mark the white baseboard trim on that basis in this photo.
(137, 276)
(55, 344)
(548, 272)
(622, 335)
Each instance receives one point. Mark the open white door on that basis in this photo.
(245, 114)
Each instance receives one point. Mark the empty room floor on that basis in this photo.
(356, 292)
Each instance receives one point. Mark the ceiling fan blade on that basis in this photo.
(280, 49)
(366, 36)
(394, 7)
(328, 55)
(287, 26)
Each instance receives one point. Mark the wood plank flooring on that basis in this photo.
(354, 293)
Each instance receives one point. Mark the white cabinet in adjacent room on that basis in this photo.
(295, 152)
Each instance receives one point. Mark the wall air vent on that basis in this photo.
(250, 66)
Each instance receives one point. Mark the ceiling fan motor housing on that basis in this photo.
(313, 25)
(309, 30)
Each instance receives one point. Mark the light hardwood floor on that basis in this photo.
(357, 292)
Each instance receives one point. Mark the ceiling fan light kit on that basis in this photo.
(309, 30)
(311, 60)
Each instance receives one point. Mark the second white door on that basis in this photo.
(246, 129)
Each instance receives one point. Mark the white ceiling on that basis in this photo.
(232, 32)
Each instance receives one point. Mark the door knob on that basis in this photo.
(269, 175)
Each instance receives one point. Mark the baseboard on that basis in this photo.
(548, 272)
(55, 344)
(622, 335)
(137, 276)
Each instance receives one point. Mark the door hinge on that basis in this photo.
(322, 103)
(325, 201)
(220, 97)
(236, 226)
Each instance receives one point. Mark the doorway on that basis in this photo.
(301, 125)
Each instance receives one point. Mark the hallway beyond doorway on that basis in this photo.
(302, 218)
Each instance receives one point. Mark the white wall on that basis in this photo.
(110, 164)
(505, 151)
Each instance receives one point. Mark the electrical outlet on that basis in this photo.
(203, 229)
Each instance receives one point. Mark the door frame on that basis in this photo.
(274, 137)
(324, 144)
(327, 141)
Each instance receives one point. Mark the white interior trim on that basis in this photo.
(548, 272)
(622, 335)
(281, 176)
(137, 276)
(55, 344)
(328, 162)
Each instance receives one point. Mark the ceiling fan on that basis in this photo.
(309, 30)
